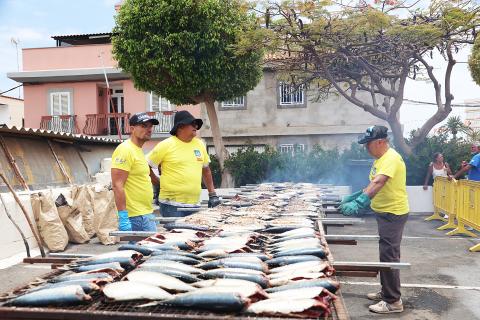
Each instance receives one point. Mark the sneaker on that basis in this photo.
(384, 307)
(376, 296)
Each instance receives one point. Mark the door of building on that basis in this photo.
(116, 105)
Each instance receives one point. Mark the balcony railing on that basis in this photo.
(165, 119)
(60, 123)
(104, 124)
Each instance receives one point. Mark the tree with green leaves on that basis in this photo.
(474, 61)
(366, 52)
(184, 50)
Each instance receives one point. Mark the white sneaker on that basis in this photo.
(375, 296)
(384, 307)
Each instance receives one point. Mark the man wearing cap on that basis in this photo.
(473, 167)
(132, 177)
(183, 161)
(387, 196)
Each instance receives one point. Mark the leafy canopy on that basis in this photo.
(183, 49)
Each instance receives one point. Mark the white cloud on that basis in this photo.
(22, 33)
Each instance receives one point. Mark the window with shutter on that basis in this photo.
(158, 103)
(60, 103)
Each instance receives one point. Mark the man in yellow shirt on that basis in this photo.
(388, 193)
(132, 177)
(182, 161)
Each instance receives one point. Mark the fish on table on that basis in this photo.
(174, 257)
(242, 274)
(97, 276)
(56, 296)
(286, 260)
(172, 265)
(330, 285)
(212, 301)
(290, 307)
(181, 275)
(164, 281)
(130, 290)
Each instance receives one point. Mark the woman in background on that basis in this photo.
(437, 168)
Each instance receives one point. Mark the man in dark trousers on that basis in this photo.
(387, 196)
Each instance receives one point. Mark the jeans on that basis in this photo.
(167, 210)
(144, 223)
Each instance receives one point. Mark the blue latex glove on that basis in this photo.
(351, 197)
(351, 208)
(123, 221)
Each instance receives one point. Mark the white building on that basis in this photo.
(11, 111)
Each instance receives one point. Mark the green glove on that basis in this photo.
(351, 197)
(351, 208)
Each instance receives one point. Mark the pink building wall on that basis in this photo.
(89, 97)
(74, 57)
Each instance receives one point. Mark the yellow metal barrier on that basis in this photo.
(461, 201)
(469, 210)
(446, 200)
(438, 189)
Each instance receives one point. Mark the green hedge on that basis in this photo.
(331, 166)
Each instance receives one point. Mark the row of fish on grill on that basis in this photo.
(224, 274)
(261, 262)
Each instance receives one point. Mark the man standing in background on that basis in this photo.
(183, 161)
(473, 167)
(132, 177)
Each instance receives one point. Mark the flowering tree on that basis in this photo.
(366, 52)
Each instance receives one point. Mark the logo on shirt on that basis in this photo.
(198, 154)
(120, 161)
(373, 172)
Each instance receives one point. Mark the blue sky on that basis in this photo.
(33, 22)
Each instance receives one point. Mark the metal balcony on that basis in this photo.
(105, 124)
(60, 123)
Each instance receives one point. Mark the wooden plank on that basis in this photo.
(343, 242)
(350, 237)
(357, 265)
(48, 260)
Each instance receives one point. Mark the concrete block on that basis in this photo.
(106, 165)
(103, 178)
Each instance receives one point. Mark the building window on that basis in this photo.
(60, 103)
(238, 102)
(158, 103)
(291, 95)
(291, 148)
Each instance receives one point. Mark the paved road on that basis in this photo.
(437, 260)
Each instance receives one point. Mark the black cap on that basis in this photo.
(374, 133)
(184, 117)
(142, 117)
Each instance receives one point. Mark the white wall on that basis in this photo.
(420, 200)
(4, 115)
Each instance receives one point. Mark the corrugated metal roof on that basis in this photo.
(81, 35)
(57, 135)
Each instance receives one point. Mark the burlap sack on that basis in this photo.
(49, 225)
(105, 215)
(72, 220)
(83, 200)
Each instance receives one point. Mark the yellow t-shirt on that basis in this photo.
(138, 187)
(181, 166)
(392, 198)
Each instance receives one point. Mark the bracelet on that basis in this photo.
(212, 194)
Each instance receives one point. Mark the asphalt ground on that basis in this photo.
(443, 282)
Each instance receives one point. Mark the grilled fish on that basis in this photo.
(66, 295)
(129, 290)
(161, 280)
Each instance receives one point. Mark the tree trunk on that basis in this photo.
(222, 154)
(397, 131)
